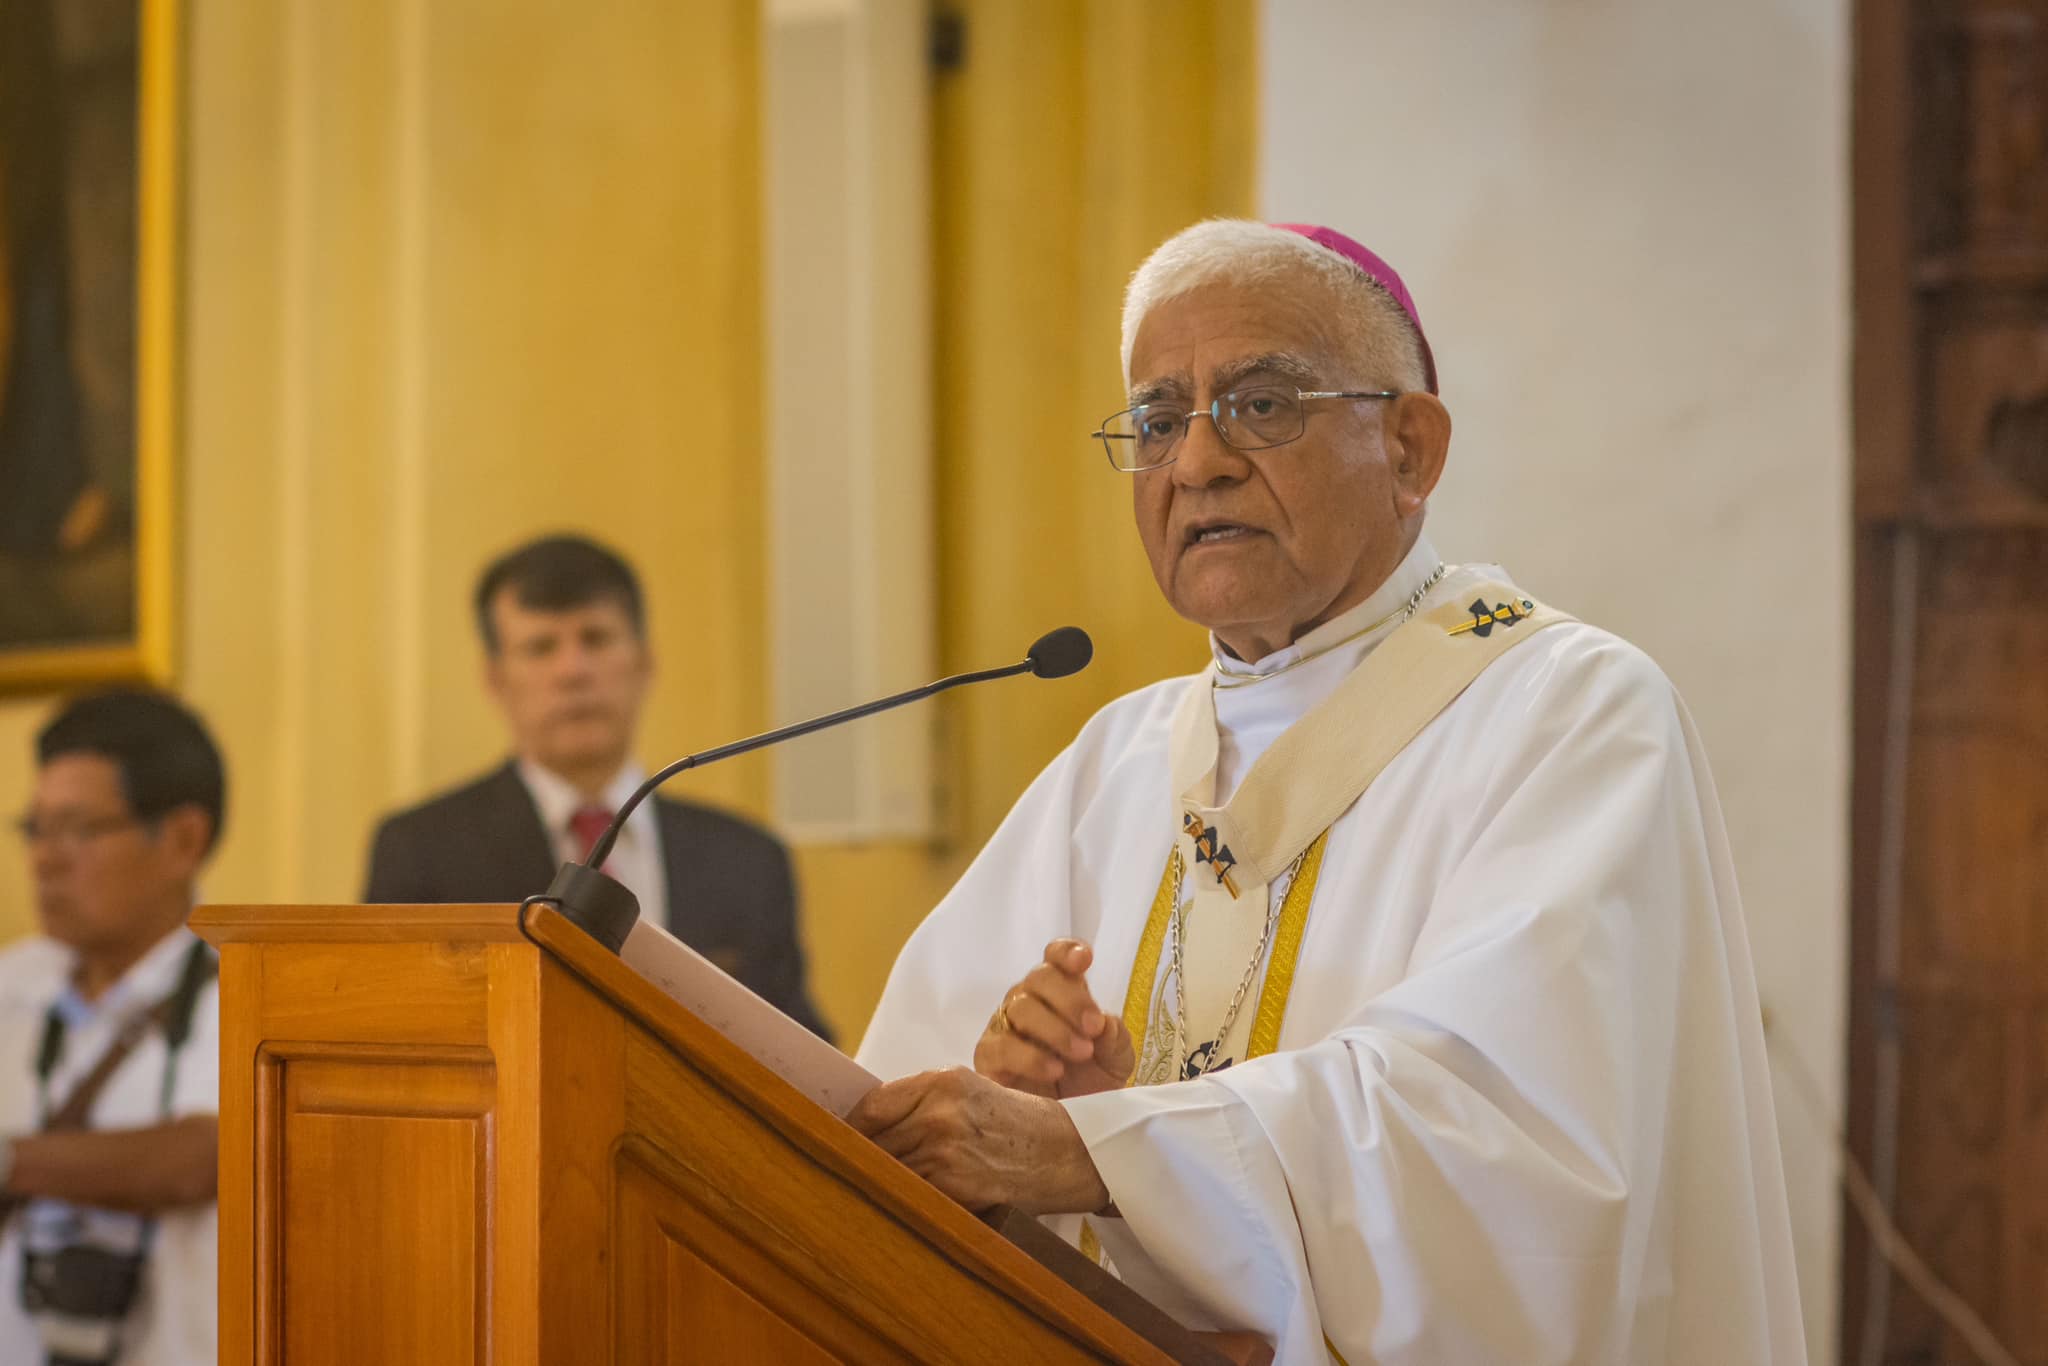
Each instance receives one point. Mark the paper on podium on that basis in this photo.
(777, 1042)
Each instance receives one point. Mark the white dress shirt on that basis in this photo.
(636, 859)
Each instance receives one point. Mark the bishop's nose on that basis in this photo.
(1204, 457)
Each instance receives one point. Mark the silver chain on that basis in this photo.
(1415, 598)
(1227, 681)
(1274, 897)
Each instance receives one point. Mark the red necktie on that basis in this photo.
(586, 824)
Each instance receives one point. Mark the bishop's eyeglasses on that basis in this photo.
(1257, 419)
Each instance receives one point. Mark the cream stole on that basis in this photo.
(1282, 812)
(1240, 864)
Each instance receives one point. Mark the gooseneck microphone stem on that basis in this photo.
(601, 850)
(606, 909)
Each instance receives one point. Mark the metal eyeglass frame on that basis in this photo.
(75, 835)
(1105, 436)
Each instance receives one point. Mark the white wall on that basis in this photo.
(852, 581)
(1625, 224)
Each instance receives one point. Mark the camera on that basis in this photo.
(81, 1282)
(79, 1296)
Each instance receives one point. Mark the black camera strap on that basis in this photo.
(74, 1286)
(173, 1015)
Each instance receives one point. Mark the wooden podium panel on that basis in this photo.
(358, 1137)
(685, 1283)
(447, 1136)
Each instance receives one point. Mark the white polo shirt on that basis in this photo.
(173, 1322)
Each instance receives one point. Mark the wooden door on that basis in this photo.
(1949, 1011)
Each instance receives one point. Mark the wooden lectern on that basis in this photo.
(449, 1136)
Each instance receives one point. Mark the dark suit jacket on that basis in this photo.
(730, 893)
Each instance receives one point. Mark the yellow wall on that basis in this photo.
(462, 272)
(1057, 170)
(450, 280)
(1053, 174)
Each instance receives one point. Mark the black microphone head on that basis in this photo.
(595, 903)
(1059, 653)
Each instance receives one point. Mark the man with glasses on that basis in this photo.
(110, 1026)
(1382, 988)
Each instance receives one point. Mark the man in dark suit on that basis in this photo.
(568, 663)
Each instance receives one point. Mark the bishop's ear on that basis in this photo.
(1418, 440)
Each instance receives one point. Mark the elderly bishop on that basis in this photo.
(1382, 988)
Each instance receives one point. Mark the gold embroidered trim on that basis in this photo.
(1272, 994)
(1138, 996)
(1286, 949)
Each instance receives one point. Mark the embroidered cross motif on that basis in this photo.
(1198, 1064)
(1484, 620)
(1208, 850)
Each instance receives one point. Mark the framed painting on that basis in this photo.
(88, 264)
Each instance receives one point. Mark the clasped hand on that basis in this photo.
(998, 1134)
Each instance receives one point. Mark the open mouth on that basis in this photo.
(1218, 533)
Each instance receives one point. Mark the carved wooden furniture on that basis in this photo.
(1948, 1084)
(447, 1137)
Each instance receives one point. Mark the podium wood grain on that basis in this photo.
(445, 1141)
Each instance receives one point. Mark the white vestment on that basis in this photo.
(1519, 1111)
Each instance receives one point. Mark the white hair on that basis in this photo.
(1237, 251)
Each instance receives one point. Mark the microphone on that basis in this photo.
(605, 908)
